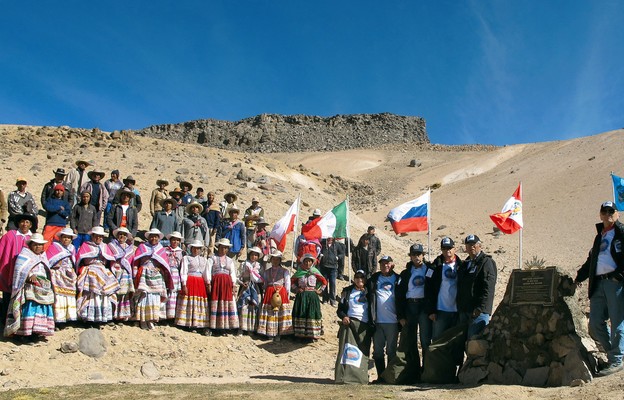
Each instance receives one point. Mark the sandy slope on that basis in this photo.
(564, 183)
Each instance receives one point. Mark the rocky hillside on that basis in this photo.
(268, 133)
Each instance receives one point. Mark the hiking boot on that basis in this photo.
(611, 369)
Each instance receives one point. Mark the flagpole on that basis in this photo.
(348, 247)
(521, 229)
(429, 227)
(613, 186)
(296, 226)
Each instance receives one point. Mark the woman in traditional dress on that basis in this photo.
(308, 283)
(261, 238)
(249, 291)
(62, 257)
(152, 279)
(122, 249)
(192, 306)
(276, 313)
(174, 256)
(223, 313)
(32, 298)
(96, 284)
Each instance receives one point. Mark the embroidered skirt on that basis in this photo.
(223, 313)
(307, 317)
(192, 306)
(36, 319)
(273, 323)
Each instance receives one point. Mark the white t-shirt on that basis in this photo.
(358, 305)
(447, 297)
(606, 263)
(386, 309)
(416, 284)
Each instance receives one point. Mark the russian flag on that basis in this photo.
(412, 216)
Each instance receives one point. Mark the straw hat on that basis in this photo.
(162, 182)
(91, 174)
(65, 232)
(186, 183)
(232, 195)
(97, 230)
(37, 238)
(154, 231)
(128, 192)
(194, 204)
(89, 163)
(168, 200)
(129, 178)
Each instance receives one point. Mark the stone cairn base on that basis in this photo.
(533, 344)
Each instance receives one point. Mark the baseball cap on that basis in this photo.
(608, 204)
(385, 259)
(416, 249)
(472, 239)
(447, 243)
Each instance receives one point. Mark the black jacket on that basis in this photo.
(116, 214)
(371, 286)
(432, 285)
(343, 305)
(588, 269)
(402, 287)
(475, 285)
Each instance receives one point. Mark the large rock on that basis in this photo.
(91, 342)
(150, 371)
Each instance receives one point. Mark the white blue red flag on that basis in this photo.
(618, 192)
(509, 220)
(412, 216)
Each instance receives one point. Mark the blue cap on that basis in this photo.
(447, 243)
(472, 239)
(416, 249)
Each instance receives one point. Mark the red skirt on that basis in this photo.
(223, 311)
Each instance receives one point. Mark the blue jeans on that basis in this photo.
(109, 207)
(330, 290)
(475, 325)
(444, 320)
(607, 303)
(386, 337)
(80, 239)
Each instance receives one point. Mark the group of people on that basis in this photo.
(422, 302)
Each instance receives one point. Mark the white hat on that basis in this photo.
(37, 238)
(124, 230)
(65, 232)
(223, 242)
(154, 231)
(276, 253)
(256, 250)
(317, 212)
(196, 243)
(175, 234)
(97, 230)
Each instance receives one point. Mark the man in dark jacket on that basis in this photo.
(329, 268)
(381, 292)
(374, 247)
(441, 289)
(48, 188)
(124, 214)
(476, 283)
(410, 300)
(605, 269)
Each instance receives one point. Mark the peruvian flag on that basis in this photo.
(284, 226)
(509, 220)
(331, 225)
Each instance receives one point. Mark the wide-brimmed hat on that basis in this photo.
(308, 256)
(275, 253)
(186, 183)
(196, 243)
(129, 178)
(154, 231)
(233, 195)
(124, 230)
(194, 204)
(60, 171)
(91, 174)
(162, 182)
(233, 209)
(89, 163)
(223, 242)
(97, 230)
(173, 202)
(37, 238)
(128, 192)
(175, 234)
(261, 221)
(316, 212)
(176, 191)
(256, 250)
(65, 232)
(29, 217)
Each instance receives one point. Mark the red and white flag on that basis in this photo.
(284, 226)
(509, 220)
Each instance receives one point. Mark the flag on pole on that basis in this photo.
(284, 226)
(333, 224)
(509, 220)
(412, 216)
(618, 191)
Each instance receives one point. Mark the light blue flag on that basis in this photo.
(618, 192)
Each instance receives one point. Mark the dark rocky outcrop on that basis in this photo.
(268, 133)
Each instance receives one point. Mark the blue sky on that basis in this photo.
(498, 72)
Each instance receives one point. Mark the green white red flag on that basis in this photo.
(333, 224)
